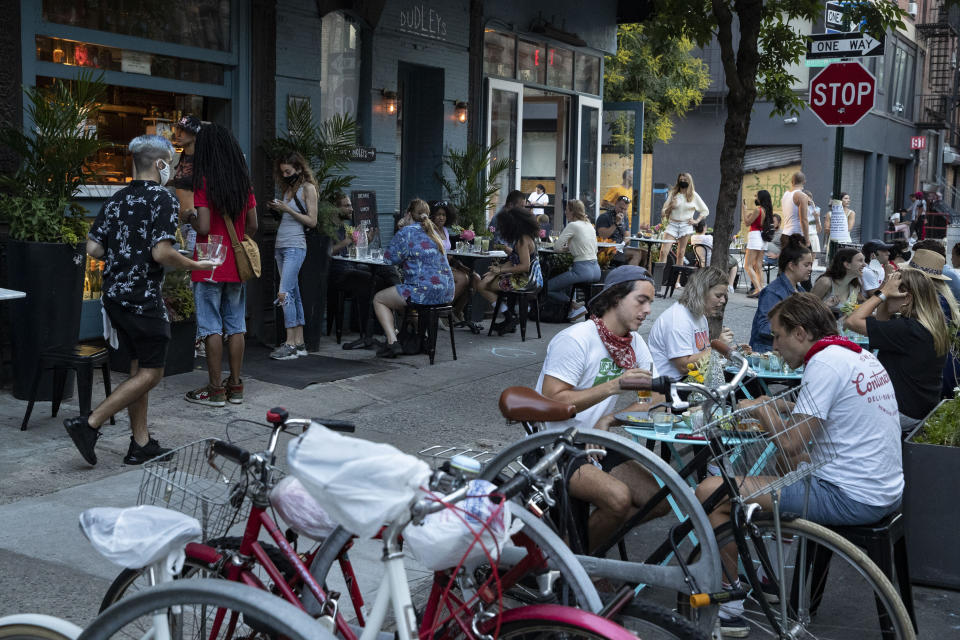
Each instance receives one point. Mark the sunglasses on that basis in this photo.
(440, 204)
(624, 199)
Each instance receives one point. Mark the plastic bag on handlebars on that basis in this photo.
(362, 485)
(441, 541)
(137, 537)
(299, 510)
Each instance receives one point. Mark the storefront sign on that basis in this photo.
(423, 21)
(364, 207)
(135, 62)
(363, 154)
(918, 142)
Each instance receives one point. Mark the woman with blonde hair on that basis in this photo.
(578, 239)
(910, 337)
(418, 249)
(297, 207)
(683, 209)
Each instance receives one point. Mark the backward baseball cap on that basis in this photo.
(624, 273)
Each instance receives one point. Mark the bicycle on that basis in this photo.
(35, 626)
(251, 478)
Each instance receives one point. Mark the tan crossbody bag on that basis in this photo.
(246, 253)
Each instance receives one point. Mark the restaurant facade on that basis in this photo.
(419, 78)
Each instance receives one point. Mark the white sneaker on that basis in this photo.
(576, 313)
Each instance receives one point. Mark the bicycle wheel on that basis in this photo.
(653, 622)
(130, 581)
(192, 605)
(554, 622)
(36, 626)
(844, 594)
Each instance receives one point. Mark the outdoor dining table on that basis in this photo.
(790, 379)
(650, 242)
(366, 261)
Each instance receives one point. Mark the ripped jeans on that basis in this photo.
(289, 260)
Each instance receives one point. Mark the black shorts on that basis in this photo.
(144, 338)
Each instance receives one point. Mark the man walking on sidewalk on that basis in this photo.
(134, 234)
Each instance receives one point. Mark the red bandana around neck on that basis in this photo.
(620, 348)
(823, 343)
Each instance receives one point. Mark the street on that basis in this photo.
(47, 565)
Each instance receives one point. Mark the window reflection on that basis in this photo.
(498, 53)
(531, 62)
(588, 73)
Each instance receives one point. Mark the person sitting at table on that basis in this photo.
(847, 395)
(417, 247)
(839, 286)
(705, 240)
(444, 215)
(877, 255)
(796, 265)
(680, 336)
(515, 200)
(584, 366)
(909, 335)
(579, 240)
(358, 280)
(521, 272)
(615, 227)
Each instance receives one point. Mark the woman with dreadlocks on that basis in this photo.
(221, 193)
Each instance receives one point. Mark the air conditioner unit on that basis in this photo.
(912, 9)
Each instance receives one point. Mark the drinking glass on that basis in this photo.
(215, 253)
(376, 255)
(214, 239)
(485, 245)
(662, 422)
(644, 395)
(353, 252)
(775, 363)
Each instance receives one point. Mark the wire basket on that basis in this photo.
(768, 439)
(439, 453)
(195, 481)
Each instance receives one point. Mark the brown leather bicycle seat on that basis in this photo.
(522, 404)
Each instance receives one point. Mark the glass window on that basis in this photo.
(901, 83)
(503, 128)
(84, 54)
(498, 53)
(588, 73)
(531, 62)
(195, 23)
(560, 68)
(339, 65)
(589, 138)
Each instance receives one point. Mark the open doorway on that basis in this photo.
(544, 156)
(421, 131)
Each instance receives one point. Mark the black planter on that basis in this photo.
(930, 511)
(49, 317)
(179, 350)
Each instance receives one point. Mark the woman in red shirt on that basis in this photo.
(753, 261)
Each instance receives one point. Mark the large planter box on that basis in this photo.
(932, 519)
(179, 351)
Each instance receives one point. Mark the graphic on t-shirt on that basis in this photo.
(877, 386)
(608, 371)
(701, 339)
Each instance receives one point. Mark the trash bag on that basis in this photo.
(362, 485)
(443, 538)
(299, 510)
(137, 537)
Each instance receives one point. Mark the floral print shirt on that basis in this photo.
(427, 278)
(128, 226)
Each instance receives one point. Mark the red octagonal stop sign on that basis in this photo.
(842, 94)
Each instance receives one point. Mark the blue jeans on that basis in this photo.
(829, 505)
(289, 260)
(221, 308)
(558, 288)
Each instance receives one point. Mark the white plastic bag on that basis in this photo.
(137, 537)
(443, 538)
(298, 509)
(362, 485)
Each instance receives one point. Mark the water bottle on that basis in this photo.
(363, 246)
(191, 238)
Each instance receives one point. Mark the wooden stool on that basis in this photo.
(522, 299)
(82, 359)
(428, 320)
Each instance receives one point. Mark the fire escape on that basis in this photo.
(939, 27)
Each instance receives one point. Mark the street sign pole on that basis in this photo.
(838, 164)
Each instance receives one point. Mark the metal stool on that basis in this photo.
(428, 320)
(82, 359)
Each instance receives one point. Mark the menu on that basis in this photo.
(364, 207)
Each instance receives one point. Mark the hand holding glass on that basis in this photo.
(644, 395)
(215, 253)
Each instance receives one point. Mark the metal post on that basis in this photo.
(838, 164)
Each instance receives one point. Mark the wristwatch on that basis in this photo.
(880, 294)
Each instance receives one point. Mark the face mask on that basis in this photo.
(683, 184)
(291, 179)
(164, 174)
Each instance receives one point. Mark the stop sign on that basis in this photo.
(842, 94)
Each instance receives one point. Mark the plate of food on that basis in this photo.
(640, 419)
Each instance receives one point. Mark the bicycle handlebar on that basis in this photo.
(231, 451)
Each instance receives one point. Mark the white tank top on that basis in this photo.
(791, 214)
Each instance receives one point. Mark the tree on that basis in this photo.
(758, 42)
(658, 71)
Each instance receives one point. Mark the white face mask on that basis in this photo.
(164, 173)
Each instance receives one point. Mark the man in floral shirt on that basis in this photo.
(134, 234)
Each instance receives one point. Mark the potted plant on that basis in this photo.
(45, 252)
(476, 174)
(931, 457)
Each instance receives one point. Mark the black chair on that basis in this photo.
(336, 301)
(82, 359)
(583, 288)
(767, 268)
(428, 321)
(523, 300)
(674, 272)
(885, 544)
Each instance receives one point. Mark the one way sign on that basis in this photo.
(843, 45)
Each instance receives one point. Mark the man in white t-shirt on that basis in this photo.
(584, 366)
(538, 200)
(877, 255)
(847, 395)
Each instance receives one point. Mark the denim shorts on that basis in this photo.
(221, 308)
(829, 505)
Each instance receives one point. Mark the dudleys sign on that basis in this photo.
(423, 20)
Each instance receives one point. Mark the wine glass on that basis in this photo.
(215, 253)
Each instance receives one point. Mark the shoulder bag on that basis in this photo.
(245, 253)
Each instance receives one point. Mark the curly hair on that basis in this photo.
(299, 163)
(611, 297)
(516, 223)
(448, 208)
(220, 168)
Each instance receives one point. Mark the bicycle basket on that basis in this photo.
(768, 439)
(195, 482)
